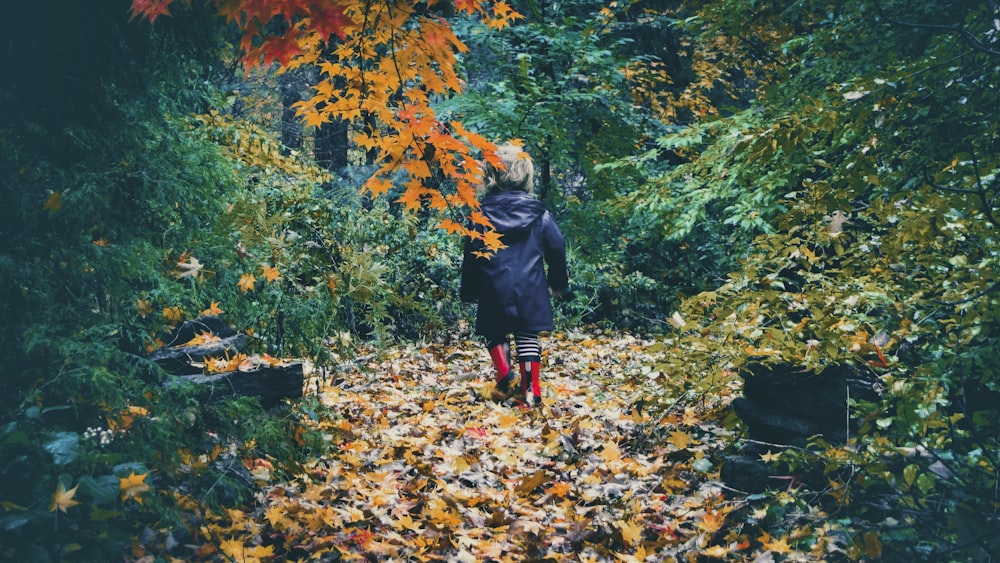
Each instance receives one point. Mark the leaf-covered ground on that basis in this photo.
(422, 467)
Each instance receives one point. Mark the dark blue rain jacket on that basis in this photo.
(512, 287)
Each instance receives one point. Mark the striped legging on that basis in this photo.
(528, 345)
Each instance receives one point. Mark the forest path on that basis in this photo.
(423, 468)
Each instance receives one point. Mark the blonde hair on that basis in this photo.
(517, 173)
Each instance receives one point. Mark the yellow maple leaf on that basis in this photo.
(406, 522)
(271, 273)
(505, 13)
(631, 531)
(314, 118)
(133, 486)
(690, 417)
(680, 439)
(441, 516)
(217, 365)
(776, 545)
(247, 282)
(610, 452)
(63, 499)
(770, 457)
(233, 548)
(173, 314)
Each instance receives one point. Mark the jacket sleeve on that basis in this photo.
(468, 285)
(554, 248)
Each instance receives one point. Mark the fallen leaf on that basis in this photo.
(133, 486)
(247, 282)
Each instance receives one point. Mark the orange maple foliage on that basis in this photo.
(383, 61)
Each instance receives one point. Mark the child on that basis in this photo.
(512, 287)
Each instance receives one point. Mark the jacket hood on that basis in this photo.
(512, 212)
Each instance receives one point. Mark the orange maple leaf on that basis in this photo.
(213, 310)
(492, 240)
(411, 197)
(479, 218)
(559, 489)
(271, 273)
(467, 6)
(247, 282)
(712, 521)
(451, 227)
(378, 186)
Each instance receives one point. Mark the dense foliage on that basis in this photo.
(868, 165)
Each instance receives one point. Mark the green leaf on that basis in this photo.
(104, 489)
(702, 464)
(64, 447)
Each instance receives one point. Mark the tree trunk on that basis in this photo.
(331, 145)
(291, 125)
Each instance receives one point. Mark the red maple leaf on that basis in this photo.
(281, 48)
(330, 19)
(150, 9)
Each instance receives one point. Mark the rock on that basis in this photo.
(195, 341)
(746, 474)
(179, 360)
(189, 329)
(270, 384)
(786, 405)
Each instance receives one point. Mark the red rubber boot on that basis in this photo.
(531, 372)
(506, 378)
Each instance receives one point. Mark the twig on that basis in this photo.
(974, 42)
(991, 288)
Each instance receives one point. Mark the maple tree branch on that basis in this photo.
(989, 289)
